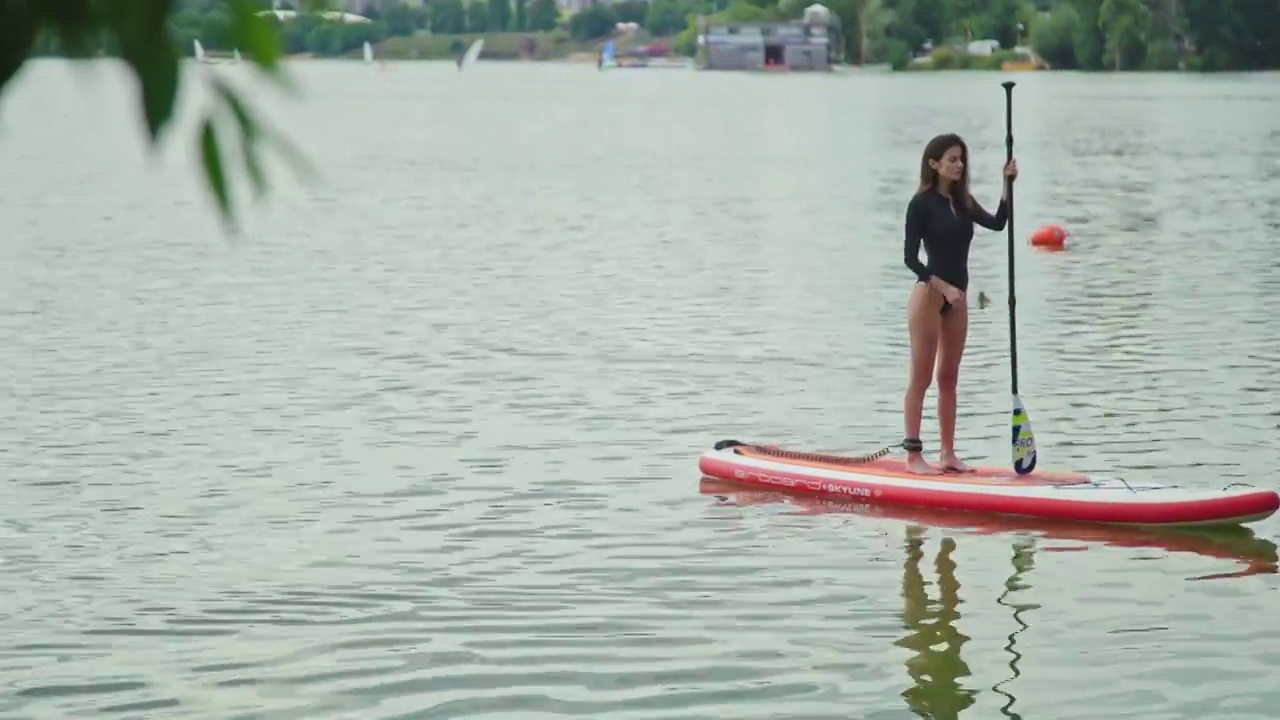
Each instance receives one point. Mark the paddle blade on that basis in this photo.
(1024, 441)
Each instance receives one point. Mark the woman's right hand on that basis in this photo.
(950, 293)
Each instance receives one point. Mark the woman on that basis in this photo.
(941, 214)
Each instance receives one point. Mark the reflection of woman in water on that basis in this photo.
(936, 666)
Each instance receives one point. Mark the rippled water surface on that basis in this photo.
(422, 443)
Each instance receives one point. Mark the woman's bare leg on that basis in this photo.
(923, 325)
(951, 341)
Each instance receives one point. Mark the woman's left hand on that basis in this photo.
(1011, 169)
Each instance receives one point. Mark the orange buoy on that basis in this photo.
(1049, 237)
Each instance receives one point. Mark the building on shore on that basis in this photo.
(809, 44)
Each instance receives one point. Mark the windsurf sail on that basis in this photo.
(368, 52)
(608, 56)
(473, 53)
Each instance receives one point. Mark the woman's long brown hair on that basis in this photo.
(934, 151)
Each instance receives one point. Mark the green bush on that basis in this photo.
(897, 53)
(596, 21)
(1054, 37)
(945, 58)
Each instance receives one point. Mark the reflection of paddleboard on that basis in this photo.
(1061, 496)
(1258, 555)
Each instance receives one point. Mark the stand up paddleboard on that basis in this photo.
(1024, 491)
(1057, 495)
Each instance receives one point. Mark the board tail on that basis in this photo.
(1024, 440)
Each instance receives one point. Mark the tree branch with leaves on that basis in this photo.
(140, 34)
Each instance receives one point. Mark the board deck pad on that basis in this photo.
(896, 467)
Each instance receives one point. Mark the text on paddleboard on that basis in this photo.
(810, 485)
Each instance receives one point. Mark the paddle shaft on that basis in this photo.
(1013, 325)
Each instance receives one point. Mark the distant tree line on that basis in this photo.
(309, 31)
(1069, 34)
(1160, 34)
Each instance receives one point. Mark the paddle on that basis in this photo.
(1024, 441)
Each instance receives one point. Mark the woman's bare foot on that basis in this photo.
(918, 465)
(951, 463)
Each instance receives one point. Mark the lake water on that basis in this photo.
(422, 443)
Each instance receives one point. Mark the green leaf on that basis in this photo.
(248, 125)
(142, 34)
(254, 168)
(255, 34)
(214, 174)
(77, 25)
(142, 28)
(159, 77)
(18, 27)
(248, 130)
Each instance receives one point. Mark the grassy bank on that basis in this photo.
(553, 45)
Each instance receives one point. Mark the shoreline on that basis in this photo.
(678, 61)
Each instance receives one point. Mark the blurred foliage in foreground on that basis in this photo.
(141, 34)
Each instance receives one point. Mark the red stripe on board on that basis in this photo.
(1151, 513)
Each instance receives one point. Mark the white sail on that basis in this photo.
(473, 53)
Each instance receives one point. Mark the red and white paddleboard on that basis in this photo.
(1058, 495)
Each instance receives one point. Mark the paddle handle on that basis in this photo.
(1008, 146)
